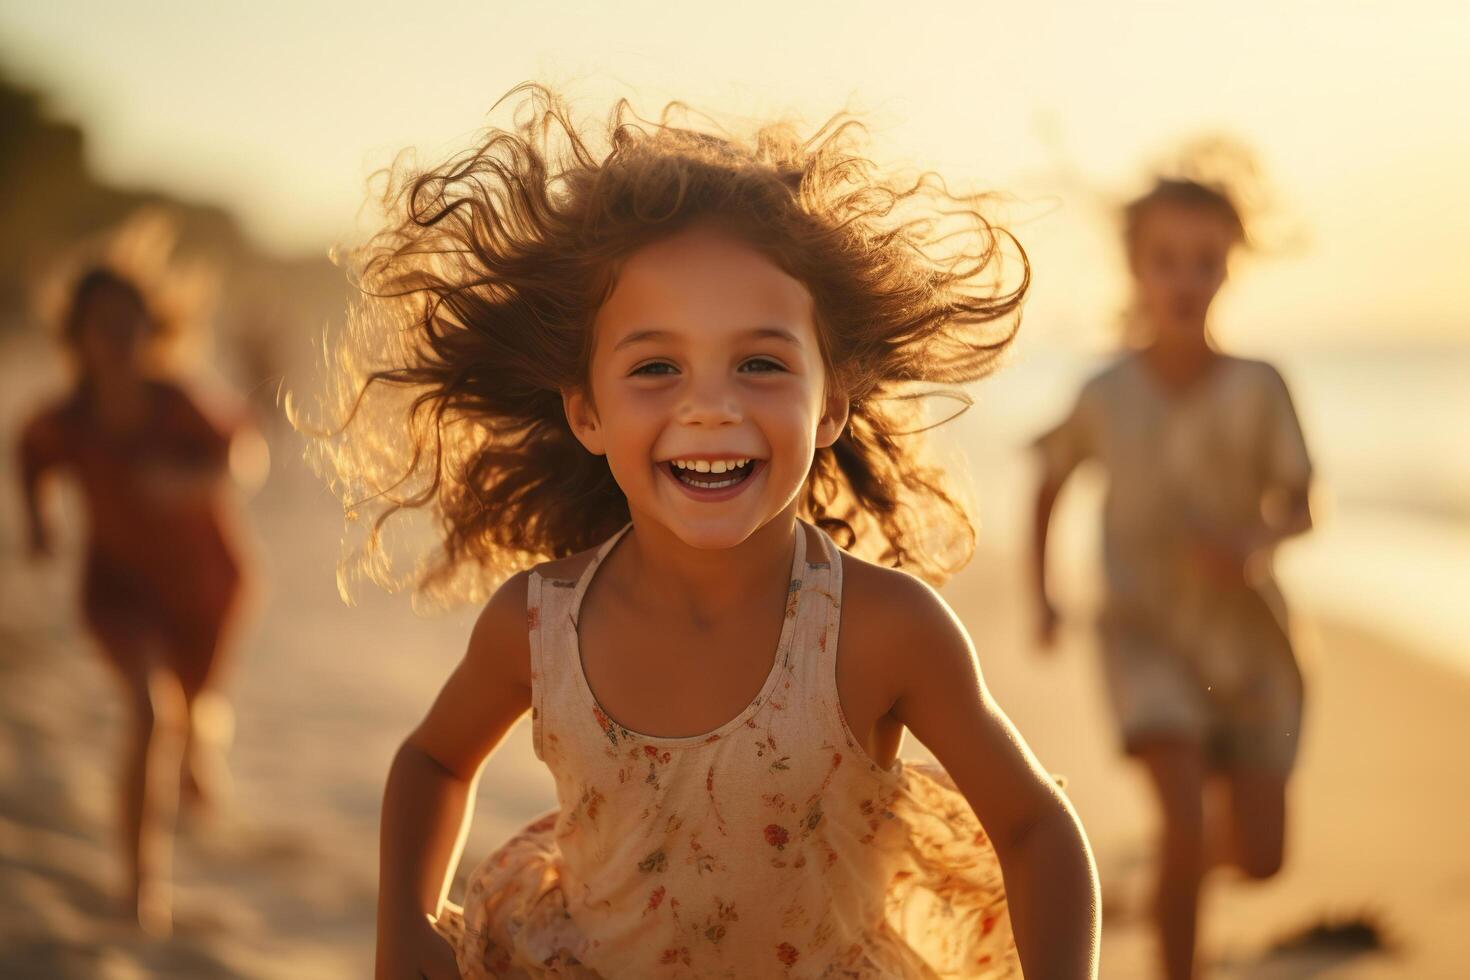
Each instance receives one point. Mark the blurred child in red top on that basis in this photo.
(163, 575)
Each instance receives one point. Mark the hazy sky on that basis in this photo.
(1358, 112)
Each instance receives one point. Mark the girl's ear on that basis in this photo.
(583, 420)
(833, 420)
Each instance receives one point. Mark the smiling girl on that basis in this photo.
(667, 364)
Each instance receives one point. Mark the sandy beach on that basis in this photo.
(281, 884)
(302, 192)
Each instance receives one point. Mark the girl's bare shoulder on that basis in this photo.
(500, 643)
(880, 601)
(891, 622)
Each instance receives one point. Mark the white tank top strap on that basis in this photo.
(551, 605)
(820, 674)
(824, 577)
(585, 579)
(817, 668)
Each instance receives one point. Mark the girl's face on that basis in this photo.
(1179, 263)
(110, 332)
(707, 389)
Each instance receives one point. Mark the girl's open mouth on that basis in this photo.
(711, 476)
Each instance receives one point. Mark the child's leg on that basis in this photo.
(1257, 820)
(196, 655)
(1260, 735)
(1177, 770)
(148, 792)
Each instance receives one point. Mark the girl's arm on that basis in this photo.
(40, 450)
(1060, 451)
(1050, 879)
(430, 788)
(1285, 506)
(1239, 555)
(1046, 613)
(1236, 556)
(1285, 513)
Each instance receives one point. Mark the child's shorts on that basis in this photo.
(1237, 693)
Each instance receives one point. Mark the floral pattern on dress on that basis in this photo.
(772, 846)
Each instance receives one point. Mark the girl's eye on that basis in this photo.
(762, 365)
(651, 368)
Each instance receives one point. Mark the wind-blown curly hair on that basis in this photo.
(479, 300)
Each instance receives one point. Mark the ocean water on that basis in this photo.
(1389, 433)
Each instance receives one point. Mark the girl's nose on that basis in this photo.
(708, 404)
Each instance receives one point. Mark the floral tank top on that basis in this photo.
(772, 846)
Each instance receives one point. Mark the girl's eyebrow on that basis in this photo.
(641, 336)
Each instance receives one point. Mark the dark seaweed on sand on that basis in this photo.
(1346, 935)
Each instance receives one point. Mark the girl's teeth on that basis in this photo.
(706, 466)
(719, 466)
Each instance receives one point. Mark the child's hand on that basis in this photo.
(424, 954)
